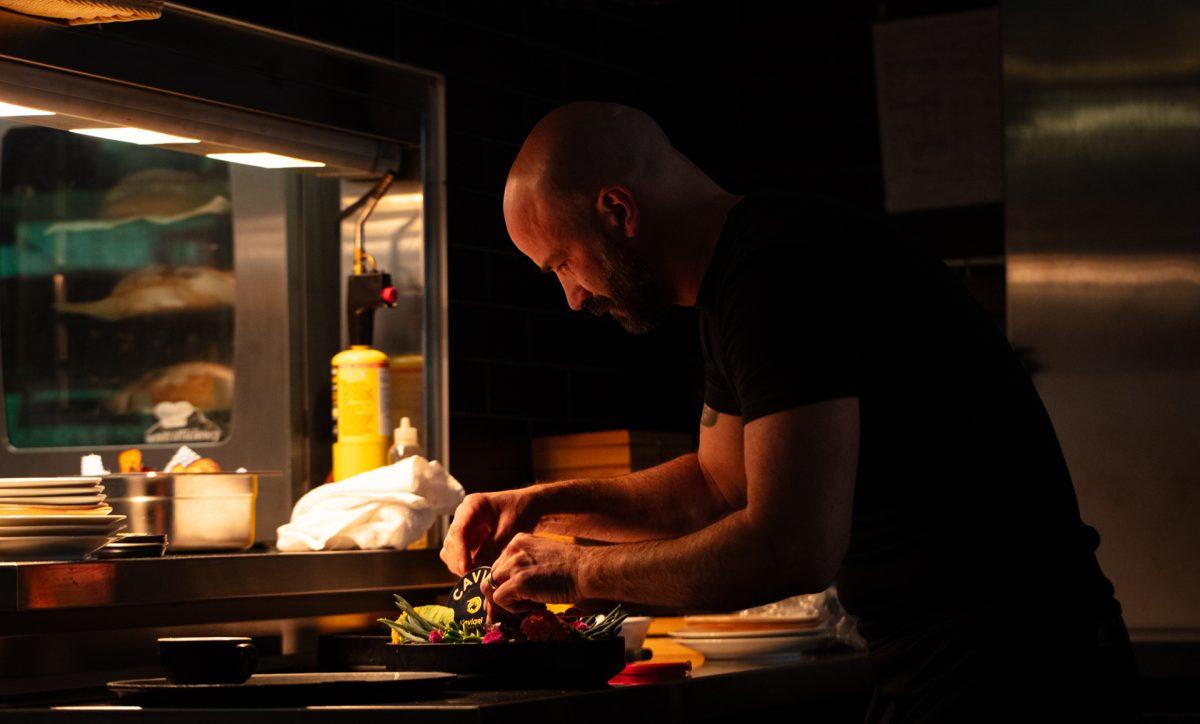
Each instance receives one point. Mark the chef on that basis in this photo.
(864, 424)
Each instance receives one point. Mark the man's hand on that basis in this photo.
(484, 523)
(535, 570)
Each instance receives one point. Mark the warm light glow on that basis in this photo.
(129, 134)
(9, 110)
(265, 160)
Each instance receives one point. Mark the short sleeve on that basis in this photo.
(717, 392)
(790, 329)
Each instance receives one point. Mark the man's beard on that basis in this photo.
(634, 300)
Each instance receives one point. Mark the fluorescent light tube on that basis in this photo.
(265, 160)
(9, 110)
(129, 134)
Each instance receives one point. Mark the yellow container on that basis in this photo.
(362, 425)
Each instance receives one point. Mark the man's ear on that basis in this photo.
(619, 211)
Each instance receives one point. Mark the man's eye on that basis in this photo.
(561, 267)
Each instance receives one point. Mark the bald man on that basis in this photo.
(864, 423)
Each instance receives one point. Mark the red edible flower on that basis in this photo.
(494, 636)
(581, 626)
(544, 626)
(435, 636)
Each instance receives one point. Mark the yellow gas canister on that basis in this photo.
(362, 426)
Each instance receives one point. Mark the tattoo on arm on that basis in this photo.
(708, 416)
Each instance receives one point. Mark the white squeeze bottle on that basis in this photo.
(404, 442)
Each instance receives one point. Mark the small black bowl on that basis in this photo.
(208, 659)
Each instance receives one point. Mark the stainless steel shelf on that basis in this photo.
(215, 587)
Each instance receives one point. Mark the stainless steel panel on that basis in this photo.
(221, 129)
(77, 624)
(248, 580)
(1102, 117)
(194, 54)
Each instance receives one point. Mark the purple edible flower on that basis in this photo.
(493, 637)
(435, 636)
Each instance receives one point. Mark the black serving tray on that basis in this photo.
(290, 690)
(541, 665)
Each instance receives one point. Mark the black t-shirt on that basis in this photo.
(963, 501)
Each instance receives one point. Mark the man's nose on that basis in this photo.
(576, 295)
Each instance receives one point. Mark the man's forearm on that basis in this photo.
(668, 500)
(731, 564)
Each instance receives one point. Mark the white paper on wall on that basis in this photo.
(938, 92)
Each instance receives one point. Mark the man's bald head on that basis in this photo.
(594, 196)
(579, 148)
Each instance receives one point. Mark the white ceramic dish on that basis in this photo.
(11, 531)
(797, 631)
(633, 630)
(754, 648)
(103, 522)
(63, 482)
(29, 492)
(730, 618)
(50, 547)
(55, 500)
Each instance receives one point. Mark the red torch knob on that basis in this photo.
(389, 295)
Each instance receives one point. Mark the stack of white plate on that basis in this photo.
(54, 518)
(752, 637)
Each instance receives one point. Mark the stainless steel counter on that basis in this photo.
(820, 687)
(68, 626)
(251, 585)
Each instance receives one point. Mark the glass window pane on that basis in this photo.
(116, 292)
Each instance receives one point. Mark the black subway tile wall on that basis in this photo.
(760, 94)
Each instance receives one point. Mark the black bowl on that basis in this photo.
(207, 660)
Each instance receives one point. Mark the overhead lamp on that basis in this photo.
(9, 110)
(263, 159)
(129, 134)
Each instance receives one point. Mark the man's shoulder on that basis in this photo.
(786, 239)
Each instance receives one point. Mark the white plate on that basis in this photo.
(754, 648)
(726, 618)
(699, 634)
(10, 531)
(63, 482)
(55, 500)
(28, 492)
(92, 521)
(50, 547)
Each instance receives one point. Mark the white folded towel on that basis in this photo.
(388, 507)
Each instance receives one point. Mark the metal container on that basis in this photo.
(196, 511)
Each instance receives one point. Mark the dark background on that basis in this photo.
(761, 95)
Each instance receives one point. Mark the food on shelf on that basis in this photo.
(130, 461)
(436, 624)
(158, 290)
(185, 460)
(157, 192)
(203, 465)
(207, 385)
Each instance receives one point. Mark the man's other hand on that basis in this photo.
(532, 571)
(483, 525)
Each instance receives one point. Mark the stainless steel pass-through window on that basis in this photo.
(116, 292)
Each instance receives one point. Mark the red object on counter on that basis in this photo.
(650, 672)
(389, 295)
